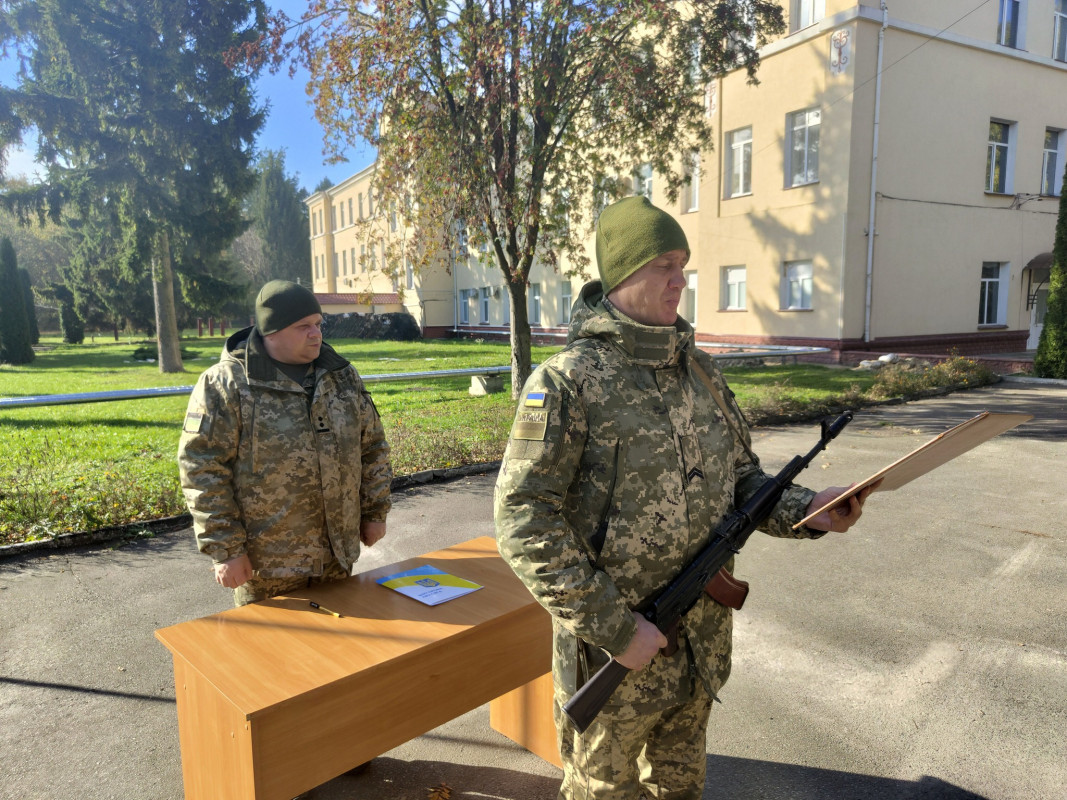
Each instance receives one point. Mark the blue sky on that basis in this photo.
(290, 125)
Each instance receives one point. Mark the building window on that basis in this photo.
(333, 218)
(999, 157)
(1008, 23)
(1052, 163)
(361, 205)
(344, 262)
(409, 271)
(314, 226)
(802, 146)
(351, 219)
(691, 191)
(464, 306)
(992, 299)
(1059, 34)
(342, 215)
(566, 300)
(363, 258)
(734, 295)
(336, 266)
(796, 286)
(803, 13)
(485, 292)
(739, 162)
(643, 180)
(689, 298)
(535, 304)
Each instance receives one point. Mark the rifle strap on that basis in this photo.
(727, 415)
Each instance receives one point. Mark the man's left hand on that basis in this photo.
(841, 517)
(371, 532)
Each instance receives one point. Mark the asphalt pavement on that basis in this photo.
(921, 655)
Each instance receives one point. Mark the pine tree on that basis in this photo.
(15, 346)
(138, 112)
(30, 304)
(1051, 358)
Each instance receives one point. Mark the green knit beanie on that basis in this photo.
(281, 303)
(629, 234)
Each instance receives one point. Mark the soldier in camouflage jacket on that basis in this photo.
(619, 465)
(284, 474)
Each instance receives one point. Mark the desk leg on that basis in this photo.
(216, 740)
(524, 715)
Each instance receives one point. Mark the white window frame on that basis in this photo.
(1052, 163)
(996, 149)
(691, 195)
(806, 123)
(485, 292)
(993, 294)
(735, 288)
(465, 306)
(643, 181)
(689, 297)
(804, 13)
(534, 304)
(409, 271)
(798, 285)
(1059, 30)
(738, 170)
(566, 300)
(1011, 24)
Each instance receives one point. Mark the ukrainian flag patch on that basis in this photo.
(535, 400)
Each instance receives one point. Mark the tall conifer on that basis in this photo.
(15, 347)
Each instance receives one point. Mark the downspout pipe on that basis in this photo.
(874, 177)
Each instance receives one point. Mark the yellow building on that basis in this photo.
(952, 152)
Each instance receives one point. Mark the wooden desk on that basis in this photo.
(275, 698)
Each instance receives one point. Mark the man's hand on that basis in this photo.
(646, 643)
(842, 517)
(371, 532)
(234, 572)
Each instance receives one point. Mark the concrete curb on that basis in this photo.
(149, 528)
(140, 530)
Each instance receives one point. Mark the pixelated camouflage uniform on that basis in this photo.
(609, 486)
(286, 483)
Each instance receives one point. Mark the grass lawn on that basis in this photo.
(80, 467)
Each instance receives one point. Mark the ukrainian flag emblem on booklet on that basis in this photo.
(429, 585)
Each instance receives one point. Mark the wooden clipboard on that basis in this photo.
(941, 449)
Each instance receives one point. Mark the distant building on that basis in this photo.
(969, 117)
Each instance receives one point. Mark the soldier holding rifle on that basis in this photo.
(626, 451)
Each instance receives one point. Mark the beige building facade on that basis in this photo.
(953, 153)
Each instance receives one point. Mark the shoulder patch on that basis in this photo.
(531, 421)
(194, 421)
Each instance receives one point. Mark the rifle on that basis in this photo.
(681, 594)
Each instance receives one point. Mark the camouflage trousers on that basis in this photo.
(659, 755)
(259, 588)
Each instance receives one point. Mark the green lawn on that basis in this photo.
(79, 467)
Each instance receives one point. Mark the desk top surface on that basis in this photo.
(263, 653)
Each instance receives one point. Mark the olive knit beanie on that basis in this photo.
(629, 234)
(281, 303)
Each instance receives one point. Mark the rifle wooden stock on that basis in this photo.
(670, 604)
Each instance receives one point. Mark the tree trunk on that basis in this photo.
(520, 337)
(168, 342)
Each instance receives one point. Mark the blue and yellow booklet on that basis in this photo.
(429, 585)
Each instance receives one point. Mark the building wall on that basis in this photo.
(944, 79)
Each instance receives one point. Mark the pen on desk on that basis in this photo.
(315, 605)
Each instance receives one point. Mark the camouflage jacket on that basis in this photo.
(618, 467)
(264, 474)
